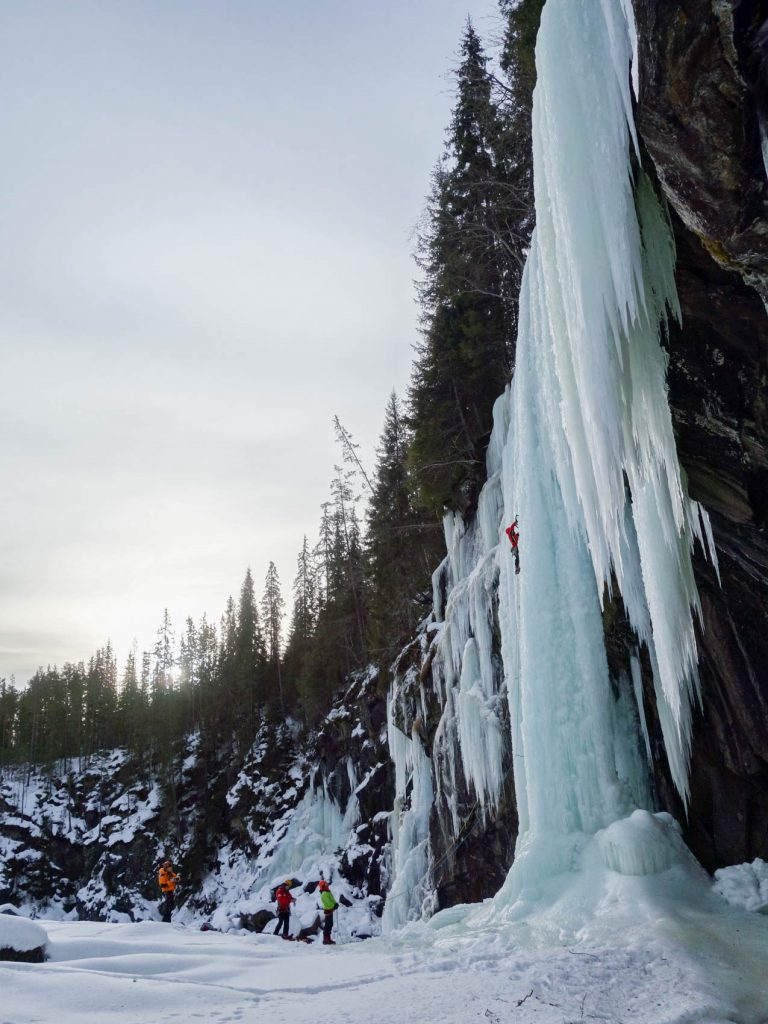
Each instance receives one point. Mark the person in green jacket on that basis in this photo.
(329, 904)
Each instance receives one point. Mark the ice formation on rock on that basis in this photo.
(583, 453)
(590, 461)
(410, 828)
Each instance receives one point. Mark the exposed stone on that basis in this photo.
(256, 922)
(27, 956)
(700, 70)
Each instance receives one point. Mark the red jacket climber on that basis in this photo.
(513, 533)
(514, 539)
(284, 900)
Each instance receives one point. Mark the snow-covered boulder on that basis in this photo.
(21, 939)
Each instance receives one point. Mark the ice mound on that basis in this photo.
(744, 885)
(642, 844)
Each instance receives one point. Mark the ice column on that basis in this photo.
(590, 464)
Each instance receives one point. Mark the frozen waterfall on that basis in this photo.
(590, 464)
(583, 453)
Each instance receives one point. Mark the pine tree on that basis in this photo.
(465, 357)
(518, 62)
(100, 700)
(401, 549)
(189, 678)
(212, 700)
(132, 706)
(338, 643)
(249, 661)
(9, 700)
(164, 655)
(272, 613)
(303, 620)
(163, 727)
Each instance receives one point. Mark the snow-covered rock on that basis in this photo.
(21, 939)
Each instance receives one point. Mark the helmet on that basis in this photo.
(323, 886)
(288, 882)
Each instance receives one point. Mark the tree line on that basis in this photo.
(363, 585)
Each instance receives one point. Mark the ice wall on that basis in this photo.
(598, 289)
(583, 453)
(589, 463)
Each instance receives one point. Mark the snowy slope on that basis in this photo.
(160, 974)
(83, 840)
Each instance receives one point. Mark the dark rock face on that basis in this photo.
(256, 922)
(701, 73)
(356, 729)
(471, 865)
(29, 956)
(701, 80)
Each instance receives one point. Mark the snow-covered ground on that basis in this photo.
(686, 966)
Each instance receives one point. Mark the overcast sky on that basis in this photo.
(206, 216)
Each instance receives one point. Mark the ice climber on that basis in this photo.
(167, 879)
(283, 900)
(328, 904)
(514, 539)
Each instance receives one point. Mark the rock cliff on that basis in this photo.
(702, 77)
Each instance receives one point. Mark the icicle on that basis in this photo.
(637, 685)
(480, 733)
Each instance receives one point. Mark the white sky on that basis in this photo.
(206, 221)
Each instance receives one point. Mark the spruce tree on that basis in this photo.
(164, 655)
(248, 662)
(131, 706)
(162, 709)
(401, 549)
(9, 700)
(464, 359)
(515, 149)
(272, 613)
(303, 619)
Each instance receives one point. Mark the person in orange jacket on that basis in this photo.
(167, 879)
